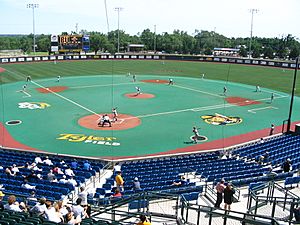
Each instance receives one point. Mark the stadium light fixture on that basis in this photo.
(154, 39)
(293, 94)
(118, 9)
(33, 6)
(252, 11)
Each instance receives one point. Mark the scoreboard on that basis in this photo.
(71, 43)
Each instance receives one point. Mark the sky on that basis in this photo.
(232, 18)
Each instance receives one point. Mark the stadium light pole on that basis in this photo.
(118, 9)
(252, 11)
(293, 94)
(33, 6)
(154, 41)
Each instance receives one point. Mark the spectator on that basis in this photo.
(74, 164)
(51, 177)
(136, 184)
(70, 219)
(32, 197)
(220, 189)
(143, 220)
(9, 172)
(32, 177)
(83, 194)
(15, 169)
(287, 166)
(35, 167)
(47, 161)
(297, 214)
(51, 213)
(72, 181)
(39, 208)
(63, 180)
(1, 201)
(272, 129)
(180, 182)
(117, 168)
(78, 210)
(62, 208)
(119, 180)
(228, 196)
(117, 193)
(69, 172)
(27, 185)
(87, 166)
(57, 170)
(13, 205)
(38, 160)
(270, 172)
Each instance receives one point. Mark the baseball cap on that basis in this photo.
(1, 194)
(136, 179)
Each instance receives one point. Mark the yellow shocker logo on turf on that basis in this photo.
(33, 105)
(219, 119)
(90, 139)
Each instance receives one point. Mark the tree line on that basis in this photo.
(180, 42)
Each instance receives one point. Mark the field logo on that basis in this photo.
(33, 105)
(219, 119)
(89, 139)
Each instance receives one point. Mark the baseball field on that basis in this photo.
(61, 115)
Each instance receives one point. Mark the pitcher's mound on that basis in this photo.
(124, 122)
(142, 95)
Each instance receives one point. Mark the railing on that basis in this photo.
(285, 205)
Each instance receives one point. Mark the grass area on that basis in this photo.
(273, 78)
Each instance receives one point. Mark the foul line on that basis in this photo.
(204, 92)
(263, 108)
(204, 108)
(69, 100)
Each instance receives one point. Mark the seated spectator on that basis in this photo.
(270, 172)
(136, 184)
(143, 220)
(74, 164)
(117, 193)
(51, 177)
(180, 182)
(38, 159)
(32, 176)
(35, 167)
(87, 166)
(62, 163)
(40, 208)
(287, 165)
(27, 185)
(15, 168)
(62, 208)
(69, 172)
(71, 219)
(9, 172)
(1, 201)
(63, 180)
(51, 213)
(72, 181)
(57, 170)
(15, 206)
(47, 161)
(32, 196)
